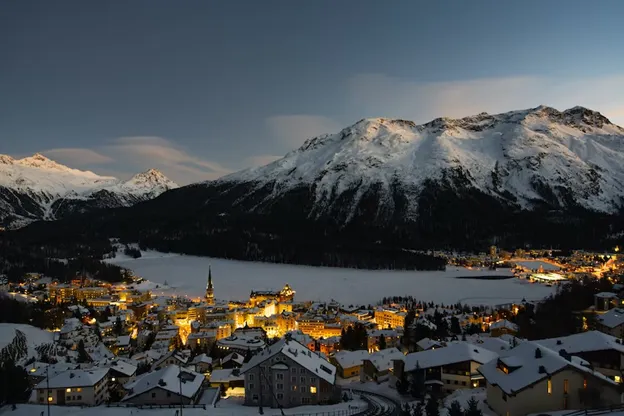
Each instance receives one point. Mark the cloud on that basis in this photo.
(77, 156)
(292, 130)
(379, 95)
(160, 153)
(260, 160)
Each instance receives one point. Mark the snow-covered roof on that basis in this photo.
(202, 358)
(123, 340)
(237, 358)
(385, 332)
(612, 319)
(39, 369)
(384, 360)
(71, 324)
(607, 295)
(494, 344)
(453, 353)
(348, 359)
(167, 378)
(504, 323)
(120, 366)
(583, 342)
(299, 353)
(74, 378)
(226, 376)
(428, 343)
(242, 342)
(525, 369)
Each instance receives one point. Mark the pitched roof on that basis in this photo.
(311, 361)
(120, 366)
(613, 318)
(167, 378)
(583, 342)
(74, 378)
(348, 359)
(226, 375)
(453, 353)
(504, 323)
(427, 343)
(384, 360)
(525, 369)
(202, 358)
(237, 358)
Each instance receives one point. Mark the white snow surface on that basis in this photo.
(187, 276)
(49, 181)
(572, 148)
(34, 337)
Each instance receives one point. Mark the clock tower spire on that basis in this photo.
(209, 289)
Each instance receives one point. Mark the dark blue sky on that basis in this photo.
(201, 88)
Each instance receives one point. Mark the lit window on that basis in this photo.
(113, 379)
(585, 383)
(565, 386)
(312, 389)
(549, 386)
(68, 390)
(617, 379)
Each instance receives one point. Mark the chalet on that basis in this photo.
(167, 386)
(612, 322)
(604, 352)
(534, 379)
(227, 378)
(179, 358)
(378, 366)
(74, 388)
(427, 344)
(232, 360)
(203, 363)
(349, 363)
(452, 367)
(503, 327)
(288, 374)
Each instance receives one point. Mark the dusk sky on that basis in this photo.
(199, 89)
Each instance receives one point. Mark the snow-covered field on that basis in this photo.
(34, 338)
(187, 275)
(227, 407)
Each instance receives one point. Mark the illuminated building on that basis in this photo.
(196, 313)
(389, 318)
(62, 293)
(85, 293)
(209, 289)
(284, 295)
(318, 328)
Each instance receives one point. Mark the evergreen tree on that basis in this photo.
(83, 357)
(382, 342)
(455, 327)
(455, 409)
(432, 407)
(473, 408)
(402, 384)
(118, 327)
(417, 383)
(14, 383)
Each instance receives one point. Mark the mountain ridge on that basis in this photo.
(39, 188)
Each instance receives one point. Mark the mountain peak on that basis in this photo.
(40, 161)
(6, 160)
(150, 178)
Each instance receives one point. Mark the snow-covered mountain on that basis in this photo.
(528, 158)
(36, 187)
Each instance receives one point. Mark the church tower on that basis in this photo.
(209, 289)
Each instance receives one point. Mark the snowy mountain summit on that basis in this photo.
(37, 187)
(378, 169)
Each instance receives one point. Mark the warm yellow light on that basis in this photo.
(32, 370)
(50, 399)
(617, 379)
(617, 249)
(312, 389)
(113, 379)
(549, 386)
(68, 390)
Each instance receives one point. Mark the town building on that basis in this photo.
(391, 339)
(227, 378)
(287, 294)
(378, 366)
(452, 367)
(502, 327)
(534, 379)
(74, 387)
(603, 351)
(612, 322)
(170, 385)
(389, 318)
(605, 301)
(203, 363)
(241, 344)
(296, 376)
(349, 363)
(209, 289)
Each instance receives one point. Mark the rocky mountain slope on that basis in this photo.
(35, 188)
(376, 190)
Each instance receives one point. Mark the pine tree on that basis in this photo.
(83, 357)
(118, 327)
(455, 327)
(382, 342)
(473, 408)
(417, 384)
(402, 384)
(432, 407)
(455, 409)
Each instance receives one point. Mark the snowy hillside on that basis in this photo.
(525, 158)
(20, 341)
(36, 187)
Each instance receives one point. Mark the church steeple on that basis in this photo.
(209, 288)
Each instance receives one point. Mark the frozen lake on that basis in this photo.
(187, 275)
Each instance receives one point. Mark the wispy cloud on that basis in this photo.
(77, 156)
(381, 95)
(260, 160)
(158, 152)
(292, 130)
